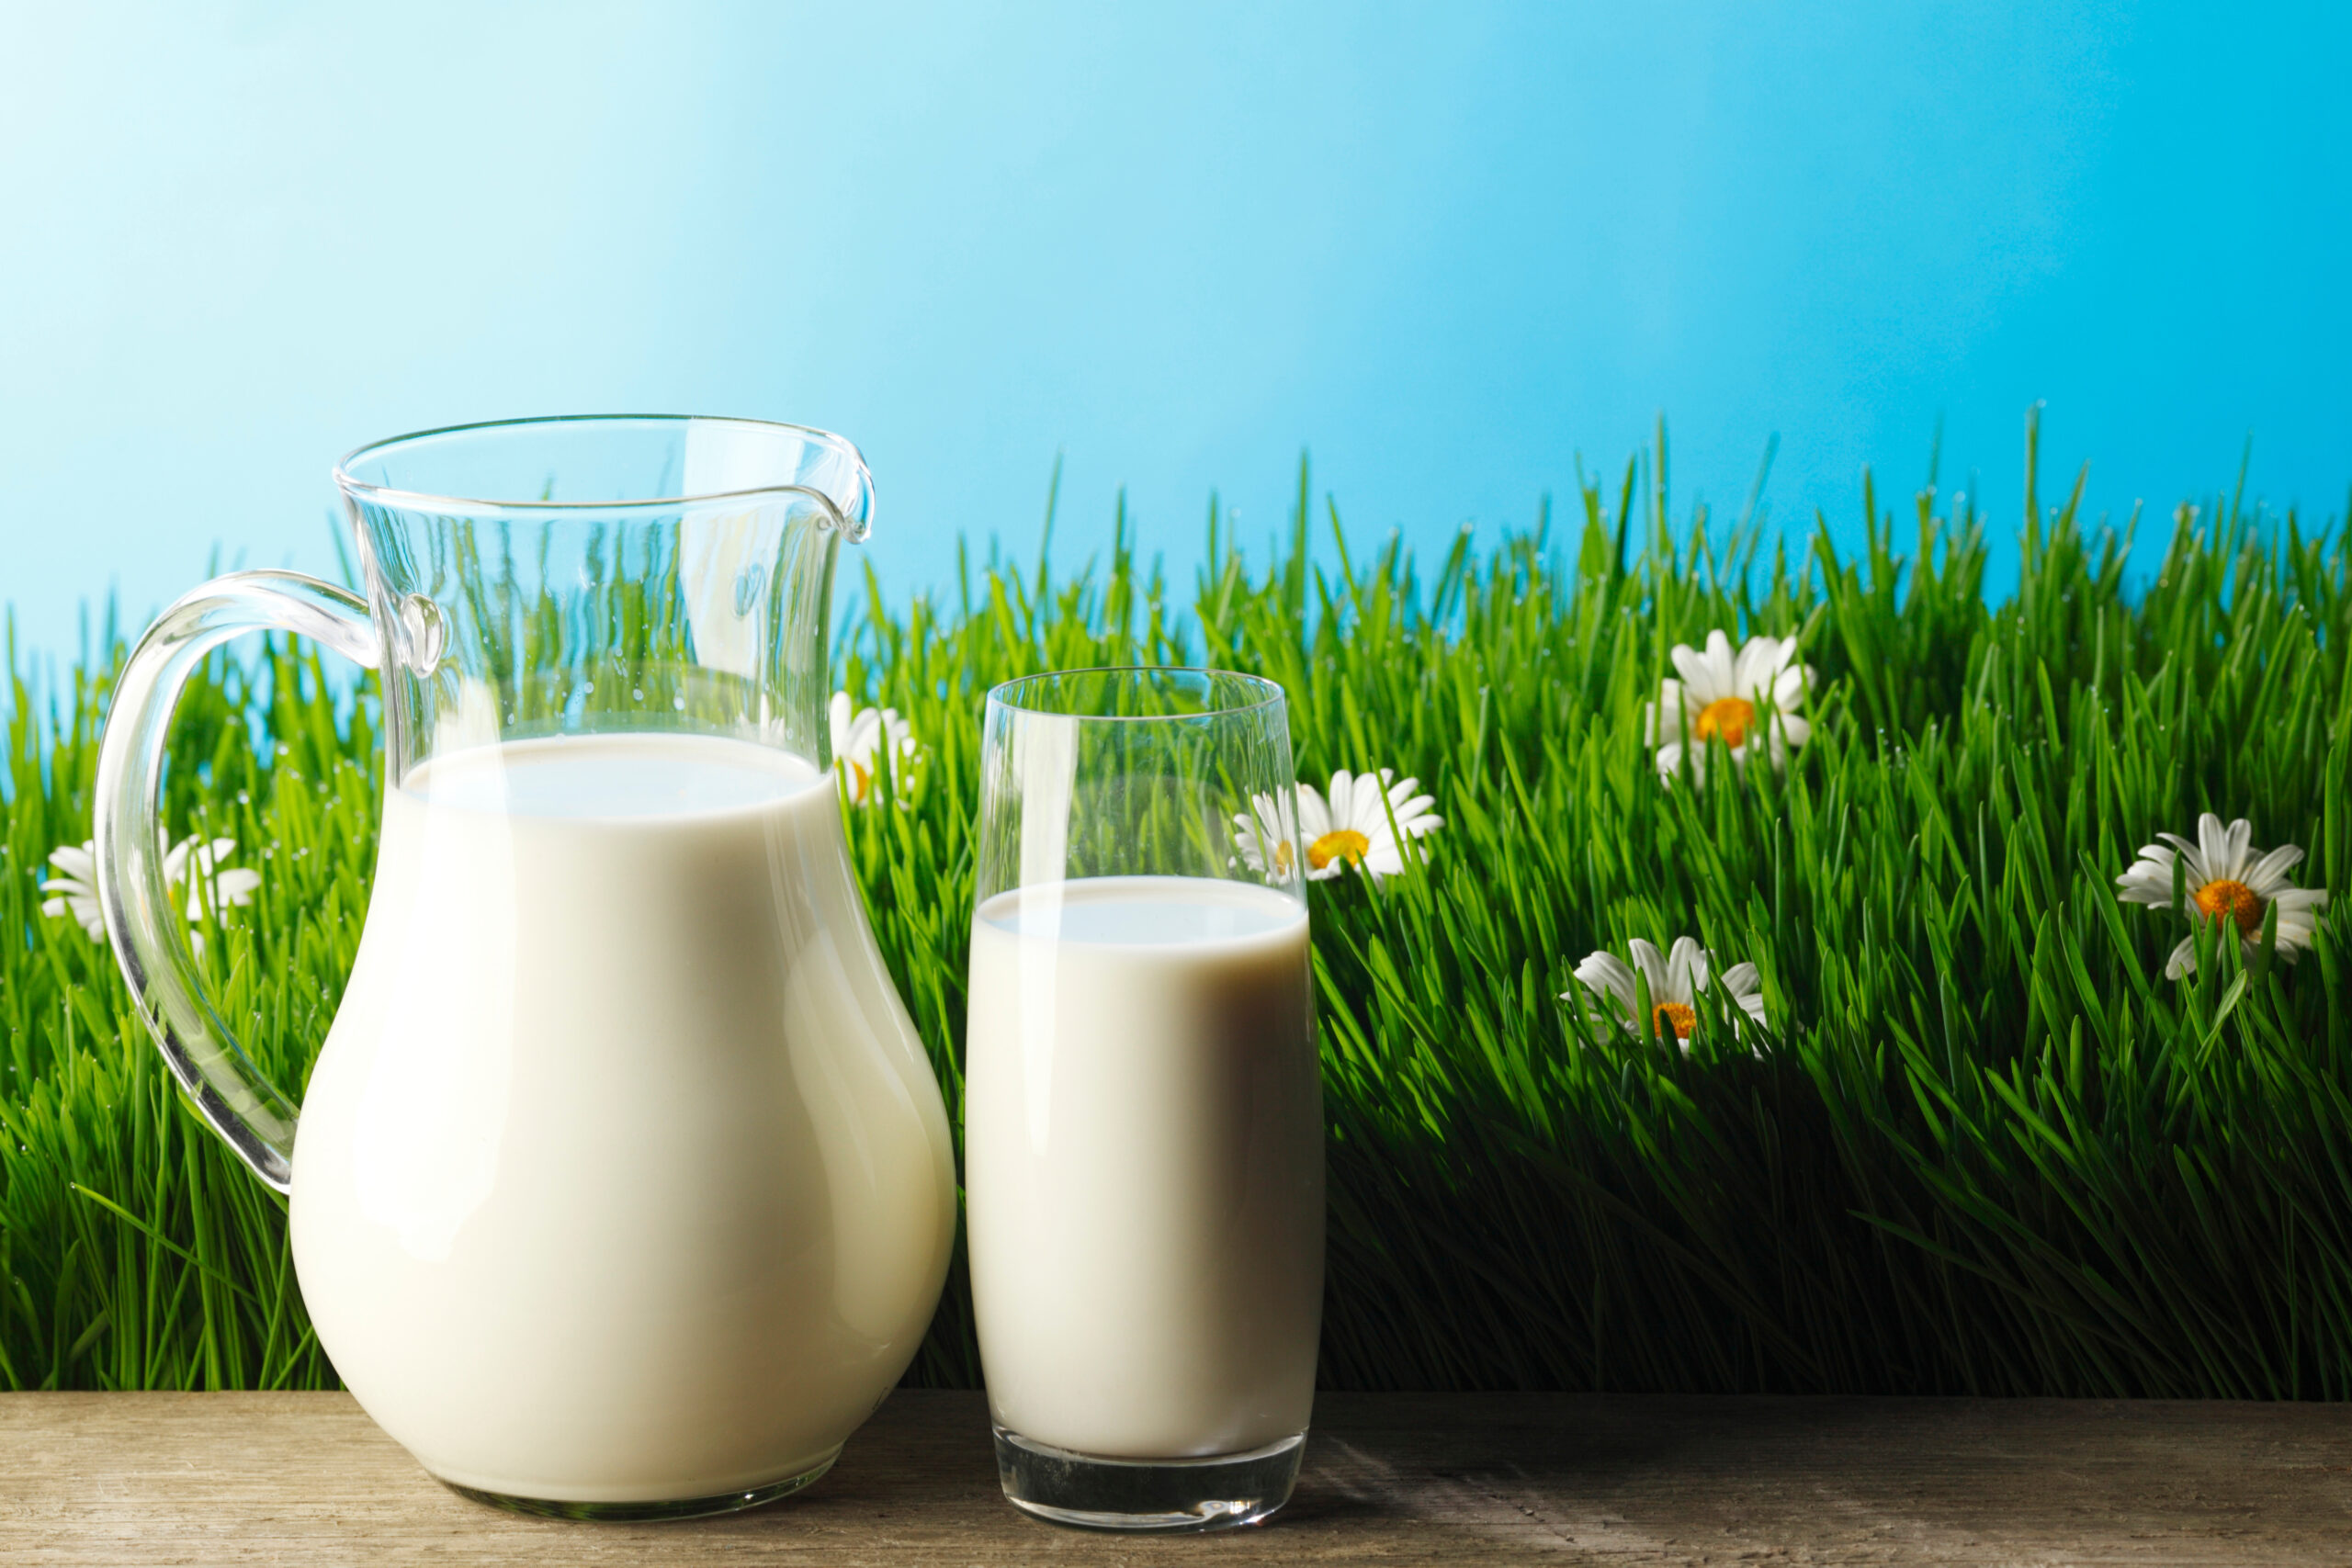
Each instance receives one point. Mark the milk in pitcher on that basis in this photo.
(611, 1160)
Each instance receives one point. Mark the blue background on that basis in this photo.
(1447, 248)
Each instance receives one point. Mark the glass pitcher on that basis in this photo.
(622, 1186)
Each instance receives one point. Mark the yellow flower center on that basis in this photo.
(1675, 1016)
(861, 781)
(1341, 843)
(2235, 899)
(1282, 857)
(1727, 716)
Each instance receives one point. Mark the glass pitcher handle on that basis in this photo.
(243, 1108)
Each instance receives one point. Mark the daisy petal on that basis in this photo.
(2264, 877)
(2241, 840)
(1408, 812)
(2192, 859)
(1702, 684)
(1672, 756)
(1652, 965)
(1665, 718)
(2213, 840)
(1606, 975)
(2240, 845)
(1314, 816)
(1686, 970)
(1760, 662)
(1344, 799)
(2298, 902)
(1722, 664)
(2149, 879)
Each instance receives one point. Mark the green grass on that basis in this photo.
(1986, 1146)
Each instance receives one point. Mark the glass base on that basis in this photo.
(622, 1513)
(1167, 1494)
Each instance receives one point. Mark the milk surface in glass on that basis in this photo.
(614, 1156)
(1143, 1158)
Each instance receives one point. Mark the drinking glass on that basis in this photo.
(1143, 1107)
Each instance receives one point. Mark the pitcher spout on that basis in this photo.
(728, 457)
(845, 484)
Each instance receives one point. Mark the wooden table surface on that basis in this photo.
(306, 1477)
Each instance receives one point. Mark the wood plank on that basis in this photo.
(306, 1477)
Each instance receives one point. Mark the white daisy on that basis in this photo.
(859, 734)
(208, 886)
(1267, 843)
(75, 887)
(190, 861)
(1353, 826)
(1675, 980)
(2225, 878)
(1719, 696)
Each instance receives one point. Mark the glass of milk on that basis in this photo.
(1143, 1109)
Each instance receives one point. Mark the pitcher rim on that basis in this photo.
(412, 500)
